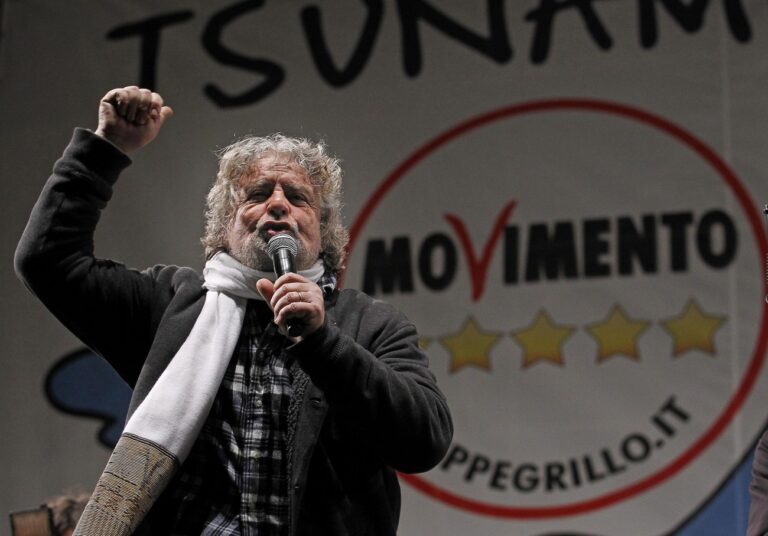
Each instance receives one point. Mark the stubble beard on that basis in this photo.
(252, 253)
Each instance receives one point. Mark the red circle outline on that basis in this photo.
(758, 356)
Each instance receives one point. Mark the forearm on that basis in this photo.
(387, 392)
(58, 237)
(54, 258)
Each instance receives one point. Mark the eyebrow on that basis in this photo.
(267, 181)
(290, 185)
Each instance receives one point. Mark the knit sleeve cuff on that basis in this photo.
(97, 154)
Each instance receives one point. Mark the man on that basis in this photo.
(65, 511)
(56, 517)
(758, 490)
(234, 427)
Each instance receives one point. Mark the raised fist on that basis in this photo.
(131, 117)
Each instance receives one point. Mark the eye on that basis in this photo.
(298, 199)
(257, 196)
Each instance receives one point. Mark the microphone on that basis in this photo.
(283, 249)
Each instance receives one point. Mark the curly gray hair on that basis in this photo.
(323, 171)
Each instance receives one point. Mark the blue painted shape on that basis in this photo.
(82, 383)
(726, 513)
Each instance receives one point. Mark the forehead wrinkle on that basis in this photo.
(257, 180)
(253, 182)
(289, 173)
(278, 162)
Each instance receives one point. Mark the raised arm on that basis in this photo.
(102, 302)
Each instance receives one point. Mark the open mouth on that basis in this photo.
(269, 230)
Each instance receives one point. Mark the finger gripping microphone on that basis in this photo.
(282, 248)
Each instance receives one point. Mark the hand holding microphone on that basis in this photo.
(296, 301)
(283, 249)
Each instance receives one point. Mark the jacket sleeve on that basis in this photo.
(373, 372)
(102, 302)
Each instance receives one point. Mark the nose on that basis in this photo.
(277, 204)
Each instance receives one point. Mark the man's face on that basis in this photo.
(276, 197)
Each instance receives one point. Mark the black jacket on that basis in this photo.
(372, 406)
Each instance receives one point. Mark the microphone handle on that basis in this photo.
(284, 263)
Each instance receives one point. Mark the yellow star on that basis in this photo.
(542, 341)
(470, 346)
(693, 329)
(424, 342)
(617, 335)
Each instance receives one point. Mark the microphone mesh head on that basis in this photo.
(281, 241)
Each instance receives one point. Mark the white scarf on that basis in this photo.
(160, 433)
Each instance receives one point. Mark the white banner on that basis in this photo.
(564, 195)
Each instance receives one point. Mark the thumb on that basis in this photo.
(266, 288)
(166, 112)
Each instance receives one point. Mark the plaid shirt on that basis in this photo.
(235, 480)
